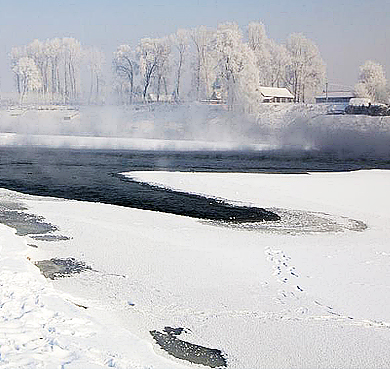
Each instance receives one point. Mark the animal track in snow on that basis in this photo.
(291, 295)
(283, 271)
(298, 304)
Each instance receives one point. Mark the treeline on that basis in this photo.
(224, 62)
(52, 70)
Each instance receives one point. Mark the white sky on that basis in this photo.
(348, 32)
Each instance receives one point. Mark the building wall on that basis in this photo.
(340, 99)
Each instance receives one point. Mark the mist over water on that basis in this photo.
(197, 127)
(153, 121)
(345, 136)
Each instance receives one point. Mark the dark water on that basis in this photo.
(188, 351)
(92, 175)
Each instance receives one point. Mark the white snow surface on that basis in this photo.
(41, 327)
(266, 298)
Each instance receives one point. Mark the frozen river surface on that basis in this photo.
(309, 290)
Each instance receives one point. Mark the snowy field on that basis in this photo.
(311, 291)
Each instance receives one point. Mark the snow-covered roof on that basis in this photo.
(275, 92)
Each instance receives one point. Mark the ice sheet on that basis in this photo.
(265, 299)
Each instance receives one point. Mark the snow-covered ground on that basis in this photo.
(312, 292)
(42, 327)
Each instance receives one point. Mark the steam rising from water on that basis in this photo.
(198, 127)
(345, 136)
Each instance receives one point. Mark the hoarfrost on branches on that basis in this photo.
(372, 82)
(202, 64)
(237, 66)
(58, 62)
(180, 40)
(95, 60)
(28, 76)
(260, 44)
(154, 64)
(279, 61)
(126, 67)
(306, 69)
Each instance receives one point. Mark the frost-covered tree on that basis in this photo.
(227, 45)
(163, 52)
(204, 62)
(372, 82)
(126, 67)
(53, 51)
(260, 44)
(16, 54)
(180, 41)
(237, 66)
(58, 62)
(28, 76)
(36, 50)
(279, 60)
(248, 82)
(95, 60)
(72, 53)
(306, 70)
(154, 63)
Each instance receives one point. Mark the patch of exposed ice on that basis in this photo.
(295, 222)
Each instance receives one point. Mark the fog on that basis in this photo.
(150, 126)
(344, 136)
(287, 127)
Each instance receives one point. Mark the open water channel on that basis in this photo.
(93, 175)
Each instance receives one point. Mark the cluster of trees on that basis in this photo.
(372, 83)
(51, 69)
(195, 63)
(189, 65)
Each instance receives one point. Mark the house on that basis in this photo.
(335, 97)
(276, 94)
